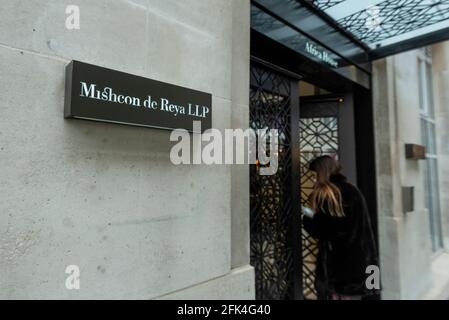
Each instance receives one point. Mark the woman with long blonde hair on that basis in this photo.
(338, 218)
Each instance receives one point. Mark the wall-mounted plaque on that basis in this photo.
(415, 151)
(101, 94)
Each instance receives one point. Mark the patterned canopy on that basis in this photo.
(353, 31)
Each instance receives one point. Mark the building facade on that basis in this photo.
(411, 106)
(106, 198)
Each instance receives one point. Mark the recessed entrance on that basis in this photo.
(311, 121)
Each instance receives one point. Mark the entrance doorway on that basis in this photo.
(319, 135)
(310, 124)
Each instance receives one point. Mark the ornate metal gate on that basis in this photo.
(274, 216)
(282, 252)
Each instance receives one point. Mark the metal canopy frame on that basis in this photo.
(387, 27)
(342, 27)
(275, 23)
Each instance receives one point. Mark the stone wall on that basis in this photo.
(106, 197)
(440, 70)
(403, 237)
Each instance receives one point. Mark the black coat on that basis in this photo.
(346, 244)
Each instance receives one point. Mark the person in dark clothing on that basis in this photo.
(342, 227)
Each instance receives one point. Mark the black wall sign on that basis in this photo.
(96, 93)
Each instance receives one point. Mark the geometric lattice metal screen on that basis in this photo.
(375, 21)
(352, 32)
(326, 4)
(270, 195)
(395, 18)
(318, 136)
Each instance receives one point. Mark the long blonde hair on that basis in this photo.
(325, 195)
